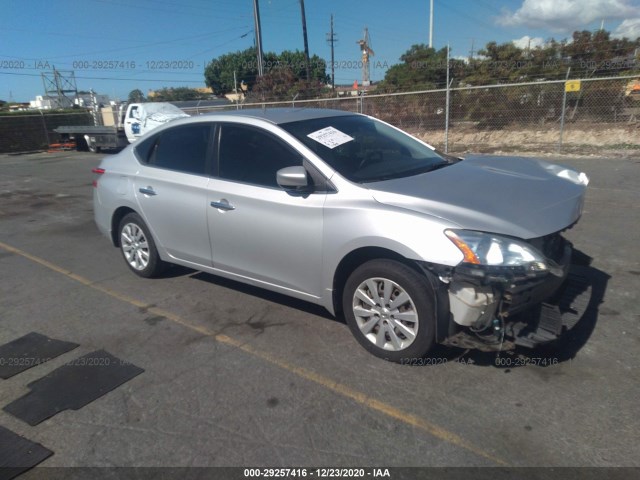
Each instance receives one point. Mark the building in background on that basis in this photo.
(82, 100)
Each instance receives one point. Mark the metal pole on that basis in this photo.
(306, 43)
(333, 72)
(431, 26)
(44, 125)
(235, 89)
(564, 106)
(256, 18)
(446, 115)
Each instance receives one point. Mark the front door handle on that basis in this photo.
(223, 205)
(148, 191)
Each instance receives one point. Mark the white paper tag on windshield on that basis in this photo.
(330, 137)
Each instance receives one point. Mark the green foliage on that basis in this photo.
(219, 72)
(423, 68)
(136, 96)
(288, 68)
(178, 94)
(588, 54)
(295, 61)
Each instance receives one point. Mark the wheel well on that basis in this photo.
(118, 215)
(356, 258)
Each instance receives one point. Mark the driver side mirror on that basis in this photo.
(293, 178)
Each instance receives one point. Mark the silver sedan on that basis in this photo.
(411, 246)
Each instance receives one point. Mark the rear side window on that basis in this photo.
(181, 148)
(250, 155)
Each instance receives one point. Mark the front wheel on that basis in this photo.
(138, 248)
(390, 309)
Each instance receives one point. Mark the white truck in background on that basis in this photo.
(116, 126)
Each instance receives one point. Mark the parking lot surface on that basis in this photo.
(237, 376)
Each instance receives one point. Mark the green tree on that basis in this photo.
(295, 61)
(281, 83)
(498, 63)
(136, 96)
(287, 67)
(219, 73)
(422, 68)
(178, 94)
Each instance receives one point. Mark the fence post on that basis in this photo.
(564, 107)
(44, 125)
(446, 115)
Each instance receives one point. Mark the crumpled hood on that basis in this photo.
(513, 196)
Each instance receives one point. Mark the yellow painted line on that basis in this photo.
(326, 382)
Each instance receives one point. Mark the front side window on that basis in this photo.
(182, 148)
(249, 155)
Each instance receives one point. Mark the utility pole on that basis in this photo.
(472, 51)
(431, 26)
(306, 43)
(331, 39)
(256, 18)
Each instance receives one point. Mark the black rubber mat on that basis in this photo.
(72, 386)
(25, 352)
(17, 454)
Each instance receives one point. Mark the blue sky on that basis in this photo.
(115, 46)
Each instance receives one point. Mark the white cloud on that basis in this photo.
(630, 28)
(565, 16)
(528, 42)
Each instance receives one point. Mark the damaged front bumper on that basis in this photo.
(497, 308)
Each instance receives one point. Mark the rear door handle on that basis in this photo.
(148, 191)
(223, 205)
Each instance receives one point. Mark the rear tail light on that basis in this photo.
(97, 171)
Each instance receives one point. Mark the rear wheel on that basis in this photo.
(390, 309)
(138, 248)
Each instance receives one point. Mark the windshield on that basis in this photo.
(365, 150)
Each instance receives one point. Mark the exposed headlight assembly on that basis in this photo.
(487, 249)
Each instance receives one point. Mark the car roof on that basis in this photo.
(282, 115)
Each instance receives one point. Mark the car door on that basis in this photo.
(171, 189)
(132, 124)
(258, 230)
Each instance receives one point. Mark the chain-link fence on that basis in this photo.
(34, 131)
(599, 116)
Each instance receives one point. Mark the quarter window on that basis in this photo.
(249, 155)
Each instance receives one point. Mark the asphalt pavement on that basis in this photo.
(237, 376)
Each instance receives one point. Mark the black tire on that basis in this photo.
(411, 323)
(138, 247)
